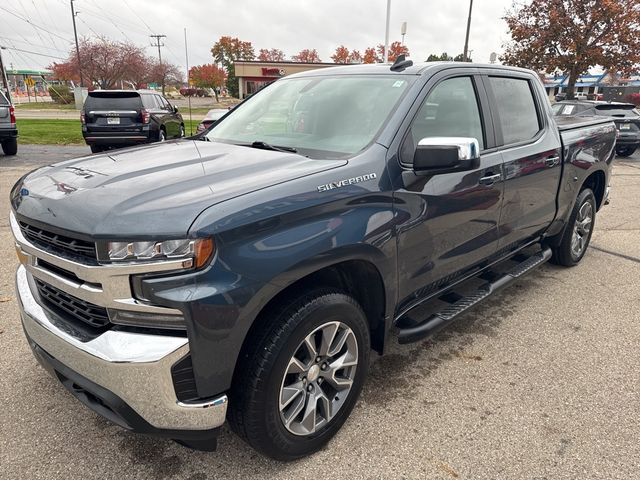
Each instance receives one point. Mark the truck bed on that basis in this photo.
(571, 122)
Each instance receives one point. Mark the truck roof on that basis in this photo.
(418, 68)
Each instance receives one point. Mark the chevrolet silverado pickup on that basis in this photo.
(246, 274)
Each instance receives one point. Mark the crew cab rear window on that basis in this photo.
(516, 108)
(113, 101)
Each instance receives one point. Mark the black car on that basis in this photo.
(117, 118)
(625, 116)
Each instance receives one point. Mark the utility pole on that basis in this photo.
(158, 44)
(403, 31)
(386, 34)
(75, 34)
(466, 38)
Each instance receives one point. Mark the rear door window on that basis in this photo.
(120, 101)
(3, 100)
(516, 108)
(149, 101)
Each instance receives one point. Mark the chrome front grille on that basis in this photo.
(70, 306)
(62, 245)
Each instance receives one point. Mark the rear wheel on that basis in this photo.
(577, 233)
(301, 375)
(96, 148)
(625, 151)
(162, 136)
(10, 147)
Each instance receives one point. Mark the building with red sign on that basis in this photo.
(252, 76)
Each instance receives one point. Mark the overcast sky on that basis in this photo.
(434, 26)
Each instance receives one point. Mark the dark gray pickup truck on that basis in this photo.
(246, 274)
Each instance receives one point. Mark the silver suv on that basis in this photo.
(8, 130)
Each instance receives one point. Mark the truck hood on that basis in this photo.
(151, 191)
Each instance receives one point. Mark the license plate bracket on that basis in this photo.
(113, 120)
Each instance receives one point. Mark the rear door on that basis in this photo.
(170, 118)
(531, 150)
(448, 222)
(113, 112)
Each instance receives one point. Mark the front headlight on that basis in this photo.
(198, 251)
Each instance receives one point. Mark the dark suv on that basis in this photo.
(625, 116)
(117, 118)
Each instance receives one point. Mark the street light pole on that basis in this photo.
(75, 34)
(466, 38)
(386, 34)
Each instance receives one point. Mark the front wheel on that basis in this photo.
(625, 151)
(301, 375)
(577, 233)
(162, 136)
(181, 131)
(10, 147)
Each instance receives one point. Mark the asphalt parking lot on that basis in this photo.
(540, 382)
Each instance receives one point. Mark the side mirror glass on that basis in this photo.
(446, 154)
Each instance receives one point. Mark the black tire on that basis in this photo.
(182, 133)
(96, 148)
(162, 135)
(564, 254)
(625, 151)
(10, 147)
(254, 412)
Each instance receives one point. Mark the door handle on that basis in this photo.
(552, 161)
(490, 179)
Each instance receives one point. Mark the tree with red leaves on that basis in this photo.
(574, 35)
(307, 56)
(370, 56)
(341, 55)
(395, 50)
(107, 64)
(208, 76)
(271, 55)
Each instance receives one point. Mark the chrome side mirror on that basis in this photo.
(446, 154)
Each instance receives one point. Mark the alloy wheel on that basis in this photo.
(318, 378)
(582, 229)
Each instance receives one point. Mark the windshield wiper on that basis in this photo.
(266, 146)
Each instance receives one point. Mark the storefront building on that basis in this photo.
(252, 76)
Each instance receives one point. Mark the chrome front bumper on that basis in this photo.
(136, 367)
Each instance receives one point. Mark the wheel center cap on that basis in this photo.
(314, 371)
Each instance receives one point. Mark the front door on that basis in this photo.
(447, 222)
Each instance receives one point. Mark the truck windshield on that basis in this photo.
(320, 117)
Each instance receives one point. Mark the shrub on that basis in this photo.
(61, 94)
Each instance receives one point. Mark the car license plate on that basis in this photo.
(625, 126)
(113, 121)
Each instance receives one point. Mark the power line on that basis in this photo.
(32, 53)
(32, 24)
(13, 40)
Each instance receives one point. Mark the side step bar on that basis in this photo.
(450, 313)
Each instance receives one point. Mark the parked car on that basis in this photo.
(211, 118)
(625, 115)
(117, 118)
(8, 129)
(247, 274)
